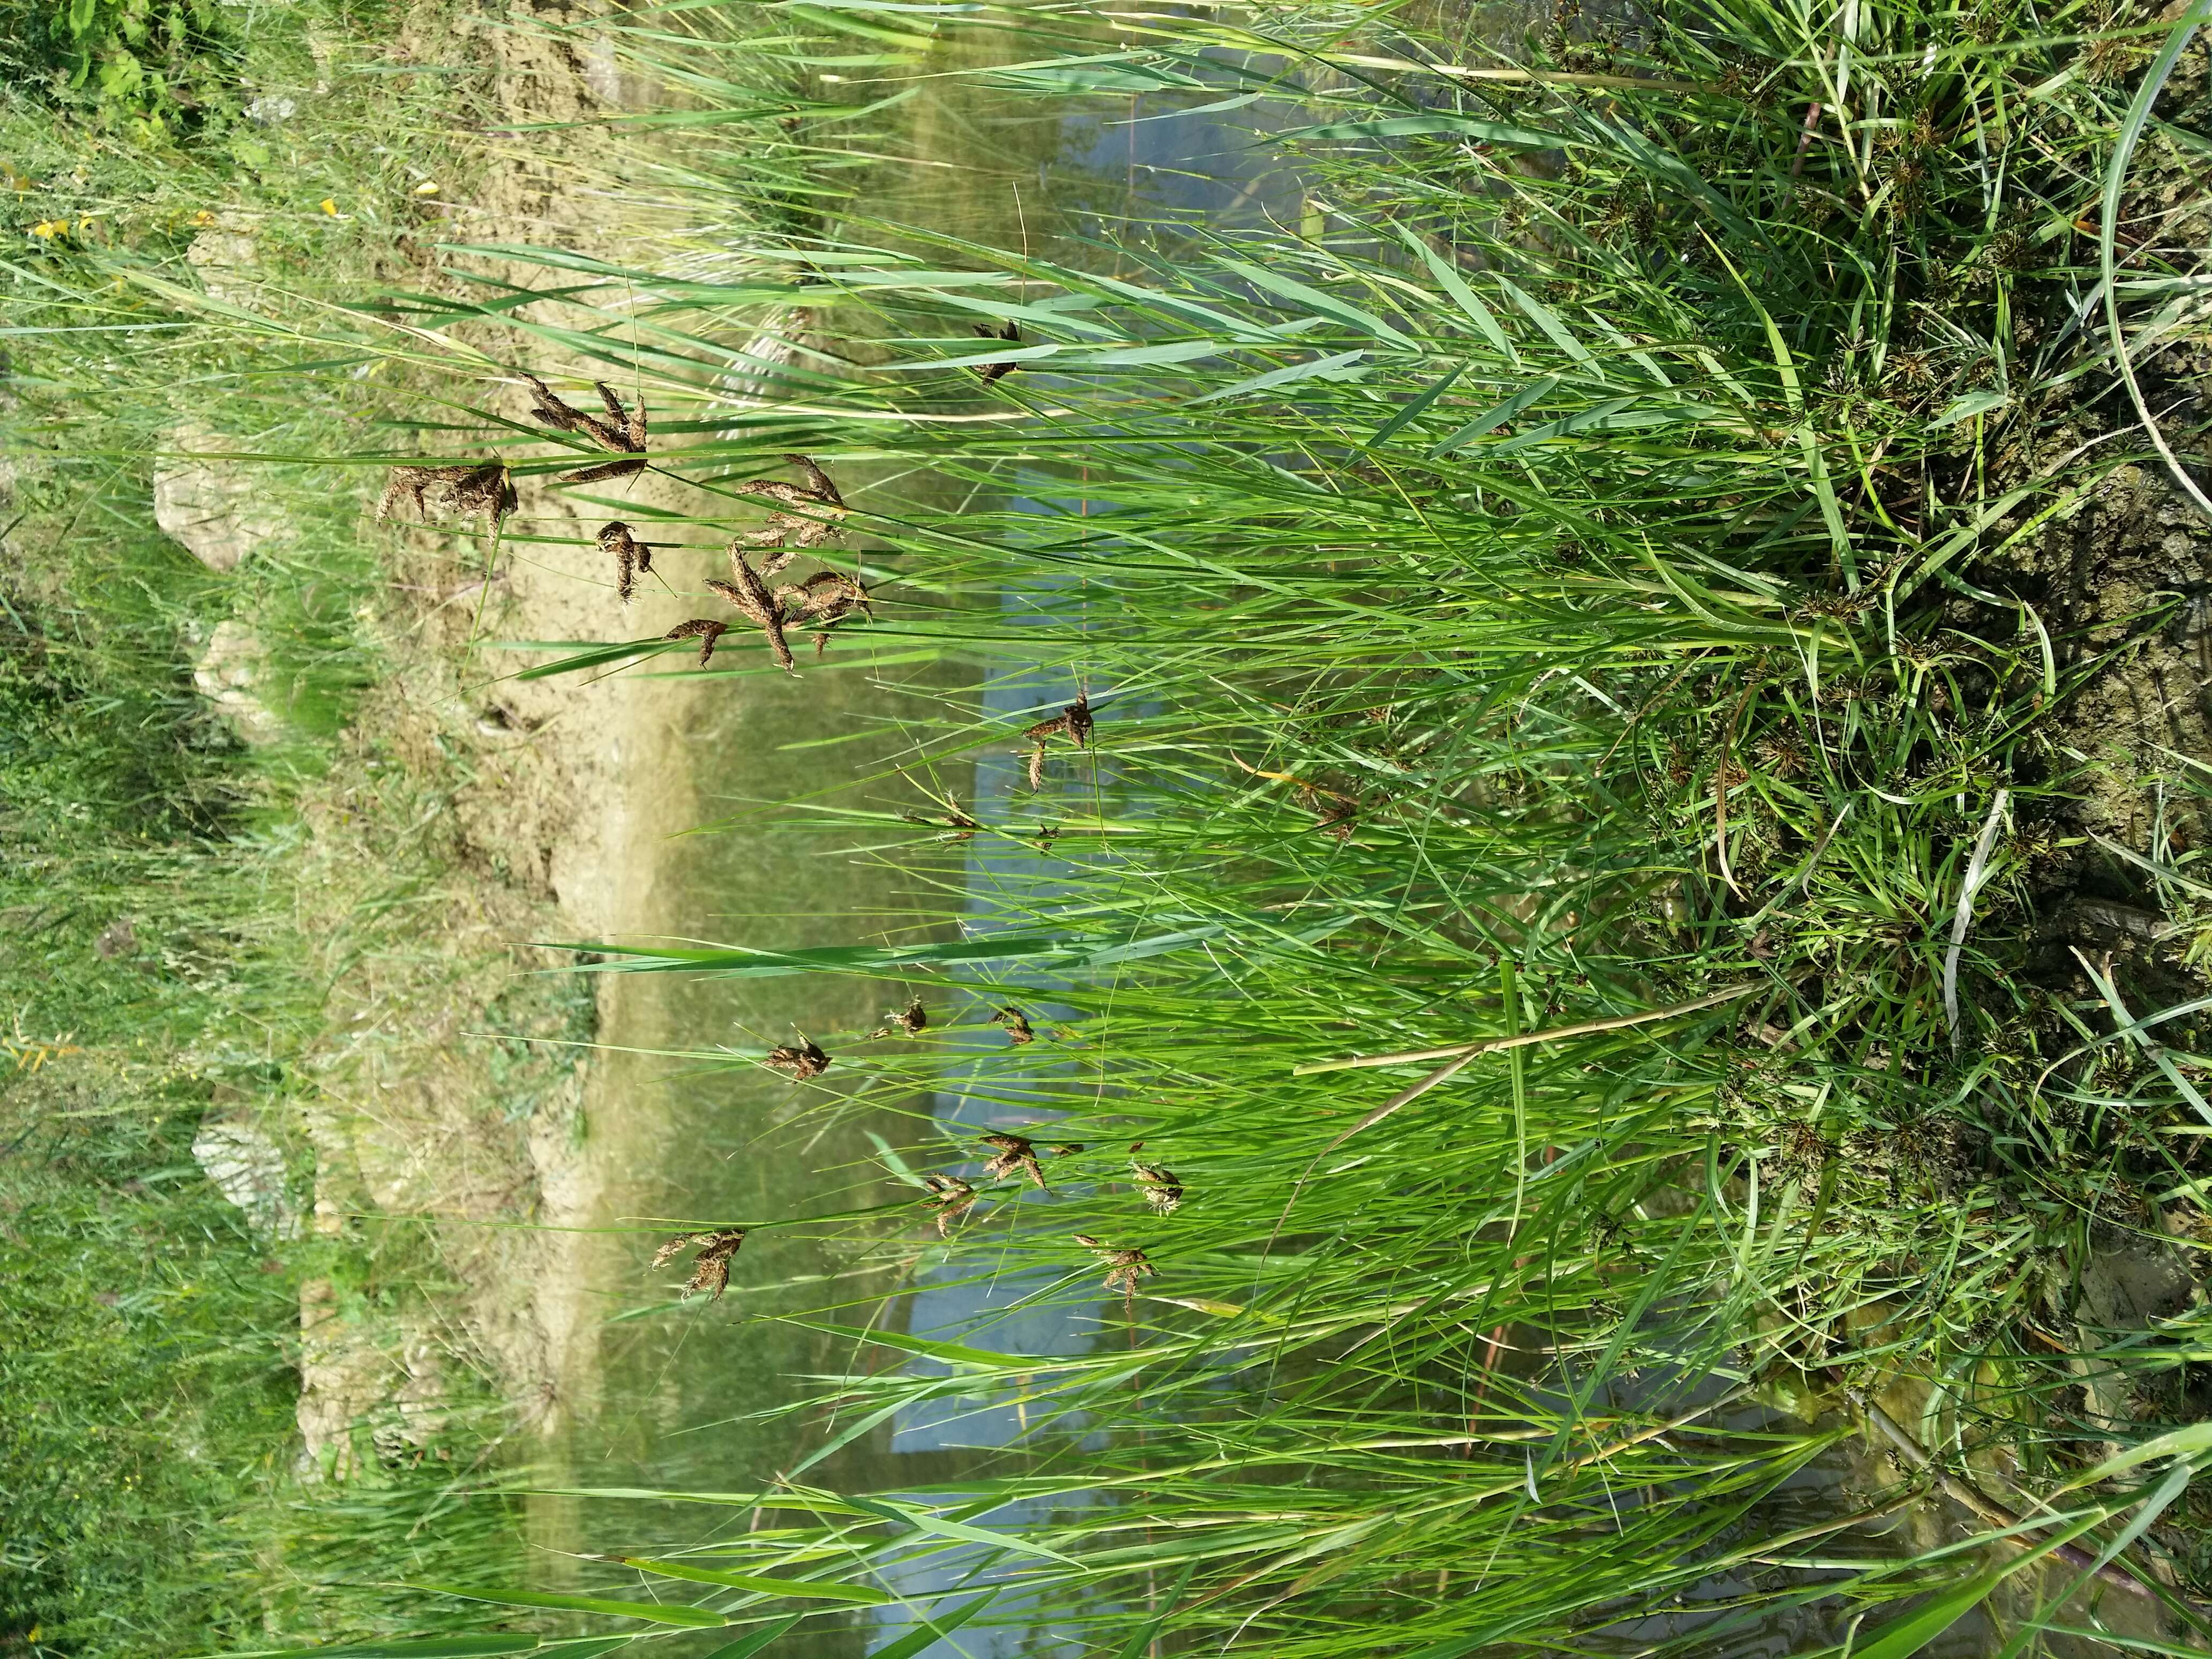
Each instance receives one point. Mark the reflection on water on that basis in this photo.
(661, 1395)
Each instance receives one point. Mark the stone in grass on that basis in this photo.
(209, 505)
(246, 1166)
(228, 675)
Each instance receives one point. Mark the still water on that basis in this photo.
(658, 1395)
(664, 1396)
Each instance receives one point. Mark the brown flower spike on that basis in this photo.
(623, 432)
(807, 512)
(1123, 1267)
(1013, 1152)
(800, 1061)
(823, 600)
(750, 595)
(1074, 722)
(1160, 1187)
(479, 488)
(992, 374)
(710, 1269)
(951, 1197)
(631, 557)
(703, 629)
(913, 1019)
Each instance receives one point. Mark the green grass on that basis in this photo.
(1600, 562)
(157, 967)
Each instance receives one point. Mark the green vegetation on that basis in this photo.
(1630, 895)
(157, 969)
(154, 68)
(1608, 575)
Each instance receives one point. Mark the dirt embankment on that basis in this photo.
(467, 810)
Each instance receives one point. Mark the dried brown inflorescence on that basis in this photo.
(623, 432)
(704, 630)
(710, 1269)
(806, 514)
(477, 487)
(1336, 815)
(631, 557)
(825, 597)
(1074, 722)
(1123, 1267)
(823, 600)
(1160, 1187)
(751, 596)
(800, 1061)
(1013, 1152)
(1017, 1023)
(959, 825)
(992, 374)
(951, 1197)
(913, 1019)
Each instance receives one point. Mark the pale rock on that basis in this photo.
(227, 674)
(207, 506)
(247, 1167)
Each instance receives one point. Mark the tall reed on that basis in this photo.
(1561, 881)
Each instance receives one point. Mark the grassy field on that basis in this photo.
(1624, 872)
(160, 970)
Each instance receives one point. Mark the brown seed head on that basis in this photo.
(704, 630)
(631, 555)
(710, 1269)
(481, 488)
(1123, 1267)
(623, 432)
(1160, 1187)
(800, 1061)
(1013, 1152)
(950, 1197)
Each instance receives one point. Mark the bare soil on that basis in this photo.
(469, 810)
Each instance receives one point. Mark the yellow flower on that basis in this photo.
(50, 229)
(330, 207)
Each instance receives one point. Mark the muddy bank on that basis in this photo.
(468, 814)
